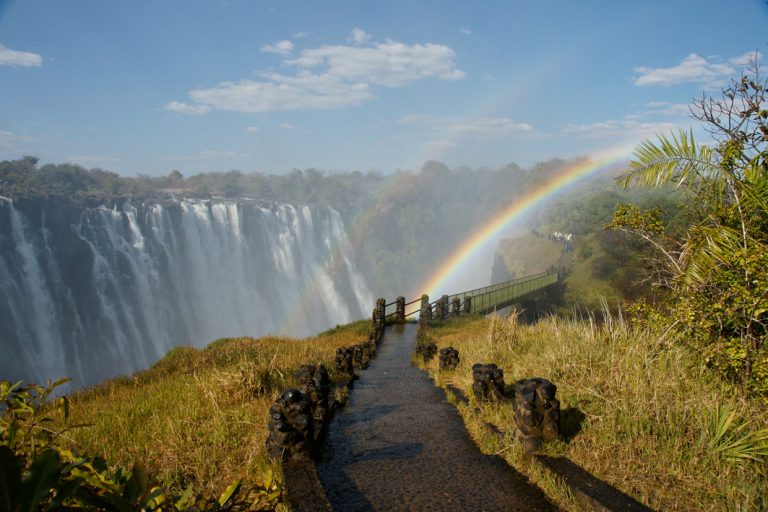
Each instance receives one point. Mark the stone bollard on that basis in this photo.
(343, 363)
(456, 307)
(449, 358)
(400, 311)
(468, 305)
(290, 426)
(537, 412)
(426, 350)
(368, 353)
(445, 307)
(381, 308)
(425, 312)
(373, 339)
(358, 356)
(488, 382)
(313, 381)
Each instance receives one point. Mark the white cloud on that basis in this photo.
(328, 77)
(414, 119)
(185, 108)
(251, 129)
(208, 154)
(389, 63)
(304, 92)
(692, 69)
(358, 37)
(16, 58)
(299, 35)
(93, 159)
(480, 126)
(10, 141)
(747, 58)
(287, 126)
(281, 47)
(490, 126)
(625, 128)
(465, 31)
(668, 109)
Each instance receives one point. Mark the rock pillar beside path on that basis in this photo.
(449, 358)
(425, 312)
(400, 310)
(344, 362)
(488, 382)
(314, 382)
(537, 412)
(456, 307)
(290, 426)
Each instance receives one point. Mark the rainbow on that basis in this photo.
(458, 260)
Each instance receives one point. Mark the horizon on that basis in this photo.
(271, 87)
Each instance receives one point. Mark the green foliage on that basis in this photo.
(727, 435)
(717, 271)
(38, 473)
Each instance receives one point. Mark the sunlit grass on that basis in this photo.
(651, 412)
(199, 417)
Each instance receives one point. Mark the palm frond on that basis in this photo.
(674, 159)
(707, 249)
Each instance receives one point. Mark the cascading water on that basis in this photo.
(90, 293)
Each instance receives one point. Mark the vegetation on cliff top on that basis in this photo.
(189, 427)
(638, 409)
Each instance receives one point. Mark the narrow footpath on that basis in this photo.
(399, 445)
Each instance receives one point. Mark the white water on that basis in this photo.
(93, 293)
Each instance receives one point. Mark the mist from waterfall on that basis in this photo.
(90, 293)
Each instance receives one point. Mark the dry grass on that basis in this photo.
(638, 410)
(198, 417)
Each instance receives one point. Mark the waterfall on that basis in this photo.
(94, 292)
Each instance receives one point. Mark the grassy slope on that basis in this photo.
(646, 406)
(198, 417)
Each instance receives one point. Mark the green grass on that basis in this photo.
(199, 417)
(639, 409)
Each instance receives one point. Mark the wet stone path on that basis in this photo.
(399, 445)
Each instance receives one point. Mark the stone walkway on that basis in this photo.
(398, 445)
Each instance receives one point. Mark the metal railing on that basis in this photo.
(497, 296)
(481, 300)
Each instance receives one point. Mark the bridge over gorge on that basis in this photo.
(479, 301)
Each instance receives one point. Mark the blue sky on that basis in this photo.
(150, 86)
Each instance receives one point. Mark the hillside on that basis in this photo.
(196, 422)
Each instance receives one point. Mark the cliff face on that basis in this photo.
(90, 291)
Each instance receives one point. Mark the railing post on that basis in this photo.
(381, 306)
(456, 307)
(425, 312)
(468, 305)
(400, 313)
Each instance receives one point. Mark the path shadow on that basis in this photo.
(590, 492)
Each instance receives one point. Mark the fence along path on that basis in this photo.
(399, 445)
(478, 301)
